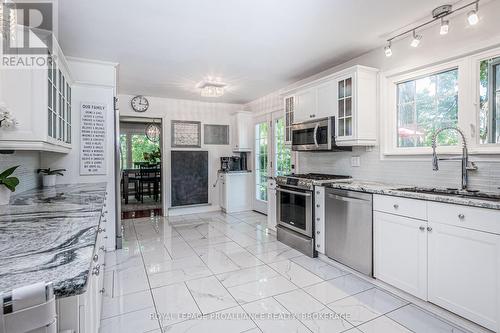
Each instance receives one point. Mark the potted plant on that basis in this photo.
(7, 184)
(49, 176)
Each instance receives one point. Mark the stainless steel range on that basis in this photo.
(295, 213)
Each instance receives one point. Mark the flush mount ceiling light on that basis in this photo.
(212, 87)
(439, 13)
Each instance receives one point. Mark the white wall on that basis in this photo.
(176, 109)
(101, 90)
(461, 40)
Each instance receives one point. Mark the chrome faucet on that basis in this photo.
(466, 165)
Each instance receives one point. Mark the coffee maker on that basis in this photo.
(225, 163)
(234, 163)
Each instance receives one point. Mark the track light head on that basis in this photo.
(388, 50)
(445, 27)
(472, 16)
(416, 39)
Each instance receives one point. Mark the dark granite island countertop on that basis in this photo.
(49, 235)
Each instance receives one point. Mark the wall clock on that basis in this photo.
(139, 103)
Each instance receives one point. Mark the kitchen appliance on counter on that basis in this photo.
(233, 163)
(294, 209)
(316, 135)
(349, 229)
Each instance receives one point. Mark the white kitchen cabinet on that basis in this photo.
(464, 272)
(305, 105)
(40, 100)
(356, 106)
(315, 102)
(400, 252)
(319, 218)
(242, 135)
(325, 100)
(449, 255)
(235, 191)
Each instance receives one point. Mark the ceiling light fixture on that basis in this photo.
(388, 50)
(438, 13)
(472, 16)
(445, 27)
(416, 39)
(212, 87)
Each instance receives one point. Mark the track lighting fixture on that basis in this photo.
(416, 39)
(445, 27)
(439, 13)
(472, 16)
(387, 50)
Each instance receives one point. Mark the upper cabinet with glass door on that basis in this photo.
(349, 96)
(39, 97)
(356, 106)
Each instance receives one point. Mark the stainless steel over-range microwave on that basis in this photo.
(316, 135)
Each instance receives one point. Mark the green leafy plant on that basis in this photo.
(51, 172)
(7, 180)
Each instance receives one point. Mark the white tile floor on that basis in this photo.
(225, 273)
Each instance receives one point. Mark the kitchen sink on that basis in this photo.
(453, 192)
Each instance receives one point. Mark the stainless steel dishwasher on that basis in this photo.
(349, 229)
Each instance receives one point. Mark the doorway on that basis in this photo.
(140, 167)
(272, 156)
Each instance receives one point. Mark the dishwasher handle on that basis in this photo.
(347, 199)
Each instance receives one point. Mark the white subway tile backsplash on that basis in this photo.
(29, 162)
(410, 172)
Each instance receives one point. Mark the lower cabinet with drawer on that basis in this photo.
(451, 258)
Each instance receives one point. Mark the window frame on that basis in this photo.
(468, 99)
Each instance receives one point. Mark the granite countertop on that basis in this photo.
(391, 189)
(49, 235)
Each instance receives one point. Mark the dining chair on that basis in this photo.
(148, 177)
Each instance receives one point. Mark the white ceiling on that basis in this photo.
(165, 47)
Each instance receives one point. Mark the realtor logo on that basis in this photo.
(26, 31)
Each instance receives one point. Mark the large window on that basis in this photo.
(425, 105)
(489, 101)
(261, 159)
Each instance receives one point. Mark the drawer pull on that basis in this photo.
(396, 206)
(461, 216)
(96, 270)
(95, 258)
(422, 228)
(429, 229)
(318, 232)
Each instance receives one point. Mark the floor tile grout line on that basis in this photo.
(290, 312)
(149, 284)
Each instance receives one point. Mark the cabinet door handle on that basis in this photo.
(396, 206)
(317, 245)
(102, 291)
(317, 232)
(422, 228)
(461, 216)
(95, 258)
(429, 229)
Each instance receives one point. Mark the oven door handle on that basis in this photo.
(316, 135)
(293, 192)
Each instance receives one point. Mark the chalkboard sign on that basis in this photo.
(93, 139)
(189, 172)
